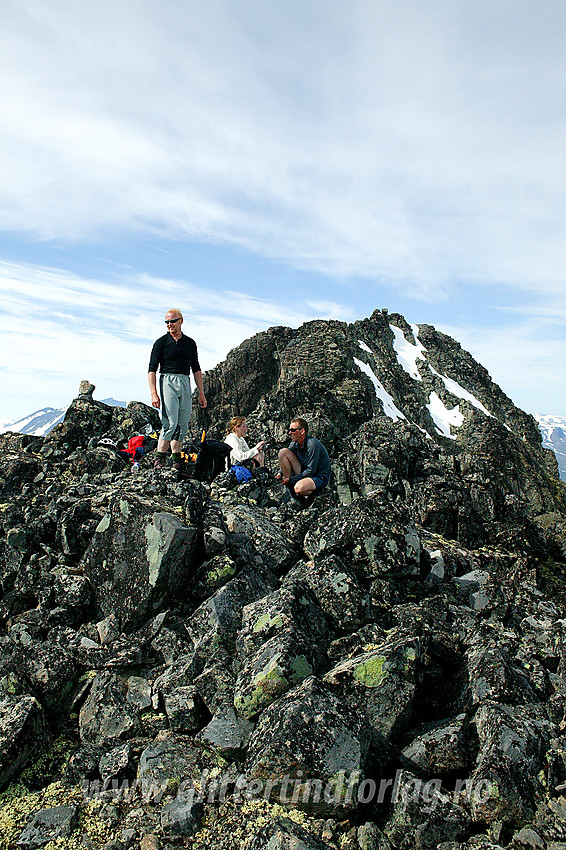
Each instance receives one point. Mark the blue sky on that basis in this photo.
(264, 162)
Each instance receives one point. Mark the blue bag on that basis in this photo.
(241, 473)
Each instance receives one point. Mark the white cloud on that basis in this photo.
(58, 328)
(410, 142)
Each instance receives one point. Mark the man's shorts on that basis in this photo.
(319, 481)
(176, 406)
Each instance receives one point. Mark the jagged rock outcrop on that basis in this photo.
(387, 667)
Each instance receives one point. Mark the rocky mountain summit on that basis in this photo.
(205, 666)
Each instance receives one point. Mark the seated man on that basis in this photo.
(305, 465)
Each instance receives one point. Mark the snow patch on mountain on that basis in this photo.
(553, 430)
(389, 407)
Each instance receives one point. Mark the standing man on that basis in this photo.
(175, 354)
(305, 465)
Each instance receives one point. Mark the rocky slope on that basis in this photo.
(204, 666)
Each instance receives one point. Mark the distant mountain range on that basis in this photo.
(43, 421)
(40, 423)
(553, 430)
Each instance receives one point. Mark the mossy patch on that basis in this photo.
(371, 671)
(267, 621)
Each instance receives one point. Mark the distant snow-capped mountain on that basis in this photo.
(553, 430)
(41, 422)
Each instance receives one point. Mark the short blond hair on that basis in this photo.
(176, 311)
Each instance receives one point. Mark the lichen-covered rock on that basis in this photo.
(24, 735)
(372, 533)
(52, 673)
(216, 622)
(338, 591)
(138, 559)
(167, 766)
(310, 749)
(381, 683)
(423, 816)
(284, 834)
(282, 641)
(273, 545)
(442, 748)
(505, 783)
(106, 715)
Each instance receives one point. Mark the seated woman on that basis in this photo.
(241, 452)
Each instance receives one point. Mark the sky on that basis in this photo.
(268, 162)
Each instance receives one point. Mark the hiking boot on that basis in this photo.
(160, 463)
(180, 467)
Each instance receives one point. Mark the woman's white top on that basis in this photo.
(240, 449)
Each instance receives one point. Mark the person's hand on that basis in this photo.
(284, 481)
(155, 401)
(202, 400)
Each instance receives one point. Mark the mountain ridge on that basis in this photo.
(386, 666)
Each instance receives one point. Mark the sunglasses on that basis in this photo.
(172, 321)
(292, 430)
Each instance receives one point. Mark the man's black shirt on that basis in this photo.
(174, 357)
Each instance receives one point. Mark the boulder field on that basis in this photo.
(185, 664)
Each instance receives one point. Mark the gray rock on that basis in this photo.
(505, 784)
(52, 673)
(138, 693)
(216, 622)
(273, 545)
(114, 763)
(138, 559)
(24, 735)
(381, 683)
(106, 714)
(184, 709)
(180, 817)
(310, 749)
(338, 592)
(282, 641)
(165, 765)
(440, 748)
(423, 816)
(284, 834)
(227, 733)
(48, 825)
(372, 533)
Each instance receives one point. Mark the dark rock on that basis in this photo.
(283, 834)
(180, 817)
(106, 714)
(338, 591)
(48, 825)
(423, 815)
(24, 735)
(227, 733)
(443, 748)
(282, 641)
(505, 783)
(167, 766)
(310, 748)
(373, 534)
(272, 544)
(138, 558)
(381, 683)
(216, 622)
